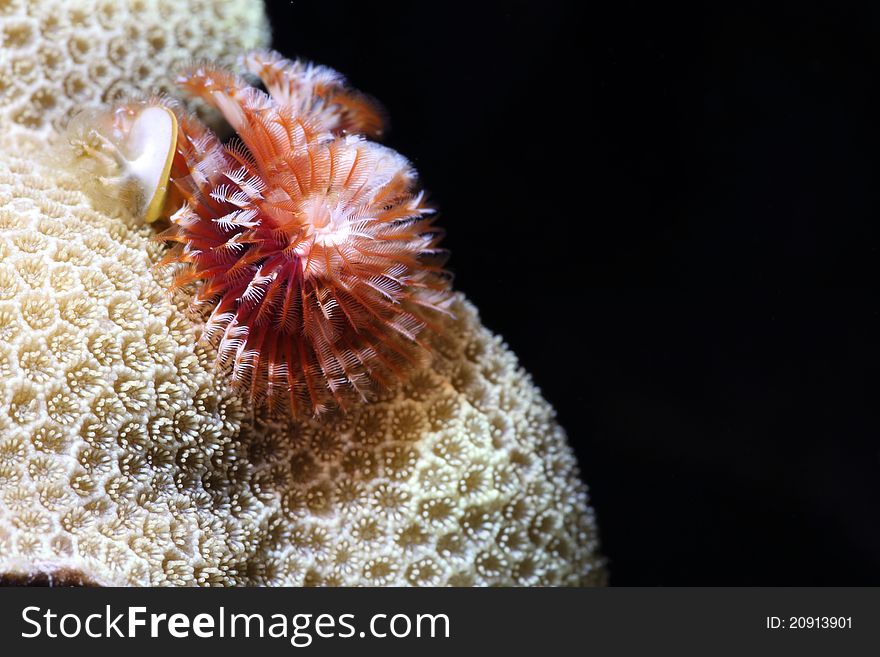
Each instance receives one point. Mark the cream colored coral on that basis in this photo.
(462, 477)
(123, 460)
(59, 56)
(117, 457)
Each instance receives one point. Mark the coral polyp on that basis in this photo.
(308, 248)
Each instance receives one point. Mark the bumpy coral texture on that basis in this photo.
(122, 460)
(59, 56)
(116, 458)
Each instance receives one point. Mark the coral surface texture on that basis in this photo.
(126, 455)
(122, 458)
(59, 56)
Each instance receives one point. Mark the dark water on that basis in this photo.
(671, 215)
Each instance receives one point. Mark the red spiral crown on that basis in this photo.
(309, 249)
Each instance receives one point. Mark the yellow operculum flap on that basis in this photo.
(151, 143)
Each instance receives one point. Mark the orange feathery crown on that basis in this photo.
(310, 250)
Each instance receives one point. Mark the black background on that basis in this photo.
(670, 214)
